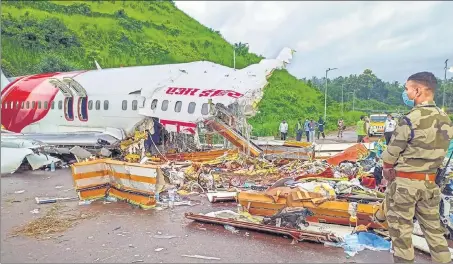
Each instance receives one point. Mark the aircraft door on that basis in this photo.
(82, 102)
(68, 108)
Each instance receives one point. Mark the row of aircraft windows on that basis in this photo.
(97, 106)
(178, 106)
(45, 105)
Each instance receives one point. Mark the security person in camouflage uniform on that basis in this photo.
(417, 148)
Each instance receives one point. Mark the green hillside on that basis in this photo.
(44, 36)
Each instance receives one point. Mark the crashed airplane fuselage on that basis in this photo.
(114, 101)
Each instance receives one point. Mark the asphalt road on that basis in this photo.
(120, 233)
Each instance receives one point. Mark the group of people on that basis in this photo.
(310, 127)
(363, 128)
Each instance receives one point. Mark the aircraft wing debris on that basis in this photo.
(13, 158)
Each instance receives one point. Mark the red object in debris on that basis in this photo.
(369, 182)
(327, 173)
(350, 154)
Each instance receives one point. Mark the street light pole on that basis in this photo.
(445, 83)
(342, 101)
(325, 94)
(234, 57)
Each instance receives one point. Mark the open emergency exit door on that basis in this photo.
(68, 108)
(82, 102)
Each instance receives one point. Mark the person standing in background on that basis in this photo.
(340, 126)
(312, 128)
(389, 127)
(299, 130)
(361, 129)
(321, 125)
(283, 130)
(307, 129)
(367, 125)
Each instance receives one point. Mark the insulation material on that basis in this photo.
(134, 183)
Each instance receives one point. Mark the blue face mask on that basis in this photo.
(406, 100)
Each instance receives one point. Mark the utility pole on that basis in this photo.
(353, 99)
(234, 57)
(325, 94)
(342, 101)
(445, 83)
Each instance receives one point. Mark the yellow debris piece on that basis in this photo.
(139, 135)
(246, 216)
(132, 158)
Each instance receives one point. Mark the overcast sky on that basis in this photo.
(394, 39)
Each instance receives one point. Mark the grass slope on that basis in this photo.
(44, 36)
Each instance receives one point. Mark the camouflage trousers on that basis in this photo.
(405, 199)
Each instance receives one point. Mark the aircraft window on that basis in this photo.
(124, 105)
(83, 109)
(98, 104)
(22, 105)
(154, 104)
(17, 105)
(191, 108)
(39, 104)
(6, 106)
(28, 104)
(134, 105)
(52, 105)
(69, 108)
(90, 105)
(60, 104)
(33, 105)
(205, 109)
(164, 106)
(178, 106)
(12, 105)
(106, 105)
(46, 105)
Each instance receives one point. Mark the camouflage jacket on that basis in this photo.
(420, 140)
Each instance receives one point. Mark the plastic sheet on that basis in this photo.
(364, 240)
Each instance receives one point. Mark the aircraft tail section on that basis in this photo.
(285, 55)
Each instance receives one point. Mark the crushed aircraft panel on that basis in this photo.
(135, 183)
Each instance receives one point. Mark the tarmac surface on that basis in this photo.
(119, 233)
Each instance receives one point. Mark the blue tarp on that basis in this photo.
(450, 149)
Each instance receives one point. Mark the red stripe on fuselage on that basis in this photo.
(34, 88)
